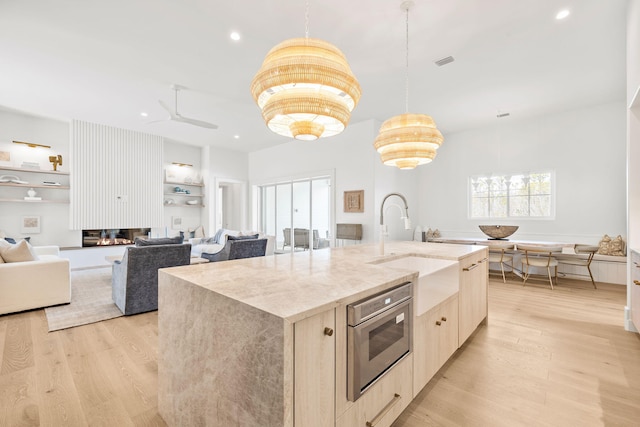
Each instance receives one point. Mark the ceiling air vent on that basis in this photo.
(444, 61)
(503, 115)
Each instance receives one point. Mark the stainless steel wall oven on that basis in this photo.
(378, 336)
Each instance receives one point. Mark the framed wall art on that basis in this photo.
(30, 225)
(354, 201)
(176, 222)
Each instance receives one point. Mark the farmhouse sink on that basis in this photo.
(438, 279)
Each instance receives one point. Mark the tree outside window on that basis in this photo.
(519, 195)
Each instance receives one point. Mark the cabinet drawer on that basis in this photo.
(383, 402)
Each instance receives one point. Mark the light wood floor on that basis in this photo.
(545, 358)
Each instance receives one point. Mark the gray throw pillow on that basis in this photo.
(250, 237)
(159, 241)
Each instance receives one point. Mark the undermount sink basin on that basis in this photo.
(438, 279)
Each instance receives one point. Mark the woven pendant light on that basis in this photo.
(305, 89)
(408, 140)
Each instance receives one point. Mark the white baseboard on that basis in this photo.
(628, 323)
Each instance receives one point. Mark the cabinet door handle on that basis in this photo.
(471, 267)
(438, 322)
(483, 260)
(444, 319)
(328, 331)
(635, 282)
(384, 411)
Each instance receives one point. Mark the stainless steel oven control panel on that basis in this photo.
(365, 309)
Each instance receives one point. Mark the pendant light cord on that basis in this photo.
(306, 20)
(407, 63)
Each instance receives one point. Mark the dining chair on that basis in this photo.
(587, 252)
(539, 256)
(500, 253)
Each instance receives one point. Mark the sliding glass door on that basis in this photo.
(298, 213)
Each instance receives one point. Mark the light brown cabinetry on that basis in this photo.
(314, 370)
(635, 289)
(472, 298)
(384, 401)
(436, 339)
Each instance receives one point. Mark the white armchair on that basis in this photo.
(35, 284)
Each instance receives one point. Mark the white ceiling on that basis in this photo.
(107, 61)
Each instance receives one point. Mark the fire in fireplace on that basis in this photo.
(112, 236)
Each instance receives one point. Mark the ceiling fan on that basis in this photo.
(175, 116)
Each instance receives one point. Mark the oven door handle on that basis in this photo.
(384, 411)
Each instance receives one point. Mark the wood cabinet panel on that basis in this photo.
(314, 370)
(384, 401)
(436, 339)
(472, 297)
(635, 289)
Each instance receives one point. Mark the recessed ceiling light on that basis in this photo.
(563, 14)
(235, 35)
(143, 114)
(236, 136)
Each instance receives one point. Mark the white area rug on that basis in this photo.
(90, 301)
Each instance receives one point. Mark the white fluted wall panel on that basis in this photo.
(116, 179)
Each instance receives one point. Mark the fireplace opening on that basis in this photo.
(112, 236)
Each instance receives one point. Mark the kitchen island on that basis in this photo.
(262, 341)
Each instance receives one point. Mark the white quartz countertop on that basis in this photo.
(298, 285)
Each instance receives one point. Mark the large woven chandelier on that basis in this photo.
(305, 88)
(408, 140)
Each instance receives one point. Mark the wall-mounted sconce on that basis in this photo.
(182, 164)
(56, 160)
(31, 144)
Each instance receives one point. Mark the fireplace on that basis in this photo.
(112, 236)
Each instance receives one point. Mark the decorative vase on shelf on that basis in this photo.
(31, 195)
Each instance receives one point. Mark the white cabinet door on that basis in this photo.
(314, 367)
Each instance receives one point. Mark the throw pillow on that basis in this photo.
(13, 241)
(4, 244)
(19, 252)
(609, 246)
(251, 237)
(226, 233)
(618, 246)
(159, 241)
(198, 232)
(604, 247)
(1, 260)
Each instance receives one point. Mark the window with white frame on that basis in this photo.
(518, 195)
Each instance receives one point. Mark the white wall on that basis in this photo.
(357, 167)
(222, 167)
(54, 217)
(585, 148)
